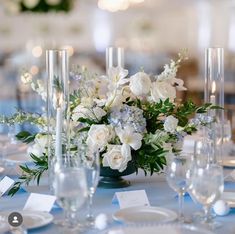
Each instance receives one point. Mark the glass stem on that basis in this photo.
(181, 207)
(207, 213)
(90, 204)
(70, 218)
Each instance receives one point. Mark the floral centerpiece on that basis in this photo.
(121, 116)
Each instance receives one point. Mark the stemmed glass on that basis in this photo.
(91, 164)
(177, 172)
(206, 187)
(70, 188)
(205, 165)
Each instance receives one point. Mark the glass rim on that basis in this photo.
(56, 50)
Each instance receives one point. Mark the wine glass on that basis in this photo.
(206, 187)
(204, 154)
(177, 171)
(70, 188)
(91, 164)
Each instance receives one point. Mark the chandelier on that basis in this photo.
(117, 5)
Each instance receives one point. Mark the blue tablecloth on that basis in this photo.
(159, 194)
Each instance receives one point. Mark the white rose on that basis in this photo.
(117, 157)
(140, 84)
(161, 90)
(30, 3)
(99, 135)
(170, 124)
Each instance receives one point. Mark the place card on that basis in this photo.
(39, 202)
(5, 184)
(131, 198)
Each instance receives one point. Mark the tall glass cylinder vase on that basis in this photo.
(114, 57)
(57, 106)
(214, 93)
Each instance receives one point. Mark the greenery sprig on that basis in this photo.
(30, 174)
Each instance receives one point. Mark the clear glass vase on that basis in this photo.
(57, 107)
(114, 57)
(214, 93)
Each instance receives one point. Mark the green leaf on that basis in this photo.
(85, 120)
(25, 136)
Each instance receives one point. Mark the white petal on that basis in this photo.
(136, 141)
(126, 151)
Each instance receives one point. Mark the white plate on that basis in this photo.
(229, 197)
(228, 162)
(159, 229)
(145, 214)
(33, 219)
(4, 227)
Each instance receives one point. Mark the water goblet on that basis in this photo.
(70, 188)
(204, 154)
(177, 171)
(206, 187)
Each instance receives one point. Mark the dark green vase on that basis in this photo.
(113, 178)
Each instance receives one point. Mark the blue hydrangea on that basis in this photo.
(128, 115)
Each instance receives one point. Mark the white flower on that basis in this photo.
(140, 84)
(117, 157)
(115, 100)
(170, 124)
(40, 145)
(30, 3)
(161, 90)
(95, 113)
(99, 135)
(117, 76)
(169, 71)
(87, 101)
(129, 137)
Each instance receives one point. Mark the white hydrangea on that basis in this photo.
(170, 124)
